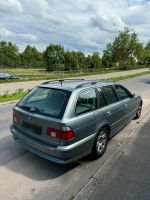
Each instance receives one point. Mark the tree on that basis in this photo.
(71, 60)
(125, 49)
(9, 54)
(96, 60)
(107, 58)
(147, 47)
(54, 57)
(31, 58)
(81, 60)
(147, 54)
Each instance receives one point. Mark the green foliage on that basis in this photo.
(54, 57)
(31, 58)
(71, 61)
(96, 60)
(9, 55)
(147, 47)
(147, 54)
(14, 96)
(125, 50)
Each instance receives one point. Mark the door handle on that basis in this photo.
(108, 113)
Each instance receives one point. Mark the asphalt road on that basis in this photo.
(27, 177)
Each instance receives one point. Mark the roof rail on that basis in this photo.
(62, 80)
(87, 83)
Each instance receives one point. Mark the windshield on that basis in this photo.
(46, 101)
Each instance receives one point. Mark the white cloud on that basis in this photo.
(5, 32)
(108, 22)
(80, 25)
(10, 7)
(28, 37)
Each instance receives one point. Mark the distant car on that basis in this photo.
(4, 76)
(65, 120)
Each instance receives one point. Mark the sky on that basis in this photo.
(80, 25)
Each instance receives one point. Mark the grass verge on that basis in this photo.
(119, 78)
(20, 93)
(14, 96)
(42, 74)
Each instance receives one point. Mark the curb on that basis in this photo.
(98, 177)
(8, 102)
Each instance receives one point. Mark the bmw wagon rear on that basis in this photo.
(37, 123)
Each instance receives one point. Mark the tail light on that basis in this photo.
(65, 133)
(15, 117)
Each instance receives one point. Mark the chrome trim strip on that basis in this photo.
(72, 146)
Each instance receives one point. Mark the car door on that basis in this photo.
(128, 102)
(114, 112)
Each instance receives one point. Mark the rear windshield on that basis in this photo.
(46, 101)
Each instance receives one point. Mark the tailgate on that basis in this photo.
(36, 125)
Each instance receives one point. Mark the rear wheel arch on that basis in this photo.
(104, 126)
(139, 110)
(100, 142)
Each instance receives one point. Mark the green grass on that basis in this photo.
(20, 93)
(14, 96)
(42, 74)
(119, 78)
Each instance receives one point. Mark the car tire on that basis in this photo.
(138, 113)
(100, 143)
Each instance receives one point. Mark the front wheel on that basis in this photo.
(100, 143)
(138, 113)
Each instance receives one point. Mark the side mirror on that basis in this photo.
(132, 94)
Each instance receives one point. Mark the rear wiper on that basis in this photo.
(32, 109)
(24, 107)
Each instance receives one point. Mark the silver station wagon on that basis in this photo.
(65, 120)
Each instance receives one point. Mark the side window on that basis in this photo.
(86, 102)
(101, 98)
(122, 92)
(109, 94)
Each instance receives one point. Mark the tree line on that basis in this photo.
(53, 58)
(125, 50)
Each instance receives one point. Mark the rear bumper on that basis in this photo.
(59, 154)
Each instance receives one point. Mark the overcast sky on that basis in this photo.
(86, 25)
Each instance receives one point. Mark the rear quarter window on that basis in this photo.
(86, 102)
